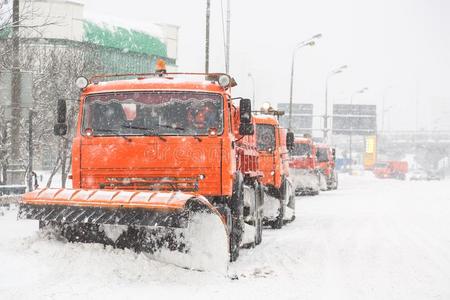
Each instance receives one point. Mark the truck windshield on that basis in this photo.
(153, 113)
(265, 137)
(301, 150)
(322, 155)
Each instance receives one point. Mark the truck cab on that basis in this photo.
(304, 167)
(271, 141)
(171, 133)
(326, 160)
(391, 169)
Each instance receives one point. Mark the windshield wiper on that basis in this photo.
(152, 129)
(116, 133)
(171, 127)
(147, 131)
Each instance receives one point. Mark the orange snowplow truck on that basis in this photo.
(391, 169)
(304, 167)
(149, 153)
(273, 142)
(326, 158)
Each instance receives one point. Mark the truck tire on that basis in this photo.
(278, 222)
(260, 213)
(237, 216)
(291, 200)
(335, 181)
(291, 204)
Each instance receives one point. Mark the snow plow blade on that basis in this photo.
(141, 220)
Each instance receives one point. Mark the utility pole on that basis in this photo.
(30, 151)
(208, 15)
(227, 48)
(15, 84)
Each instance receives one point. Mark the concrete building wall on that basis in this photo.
(170, 39)
(61, 19)
(56, 19)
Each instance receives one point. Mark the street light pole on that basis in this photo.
(383, 110)
(253, 85)
(308, 42)
(227, 48)
(208, 16)
(363, 90)
(325, 116)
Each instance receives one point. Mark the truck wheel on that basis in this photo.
(237, 217)
(291, 201)
(278, 222)
(259, 213)
(337, 182)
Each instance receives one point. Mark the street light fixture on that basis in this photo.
(325, 117)
(309, 42)
(361, 91)
(253, 82)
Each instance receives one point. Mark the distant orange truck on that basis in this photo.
(391, 169)
(273, 142)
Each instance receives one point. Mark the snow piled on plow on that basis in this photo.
(207, 242)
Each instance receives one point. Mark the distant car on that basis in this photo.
(418, 175)
(433, 175)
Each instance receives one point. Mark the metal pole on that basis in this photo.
(351, 135)
(254, 98)
(351, 126)
(383, 107)
(253, 85)
(308, 42)
(227, 54)
(15, 85)
(291, 90)
(208, 15)
(350, 150)
(325, 117)
(30, 150)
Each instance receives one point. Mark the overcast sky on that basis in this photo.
(404, 44)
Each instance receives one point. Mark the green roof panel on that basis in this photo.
(122, 38)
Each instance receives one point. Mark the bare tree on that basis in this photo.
(15, 53)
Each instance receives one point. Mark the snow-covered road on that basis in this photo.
(371, 239)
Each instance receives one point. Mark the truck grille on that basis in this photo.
(185, 184)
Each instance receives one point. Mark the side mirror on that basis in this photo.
(245, 108)
(61, 111)
(290, 140)
(60, 129)
(246, 129)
